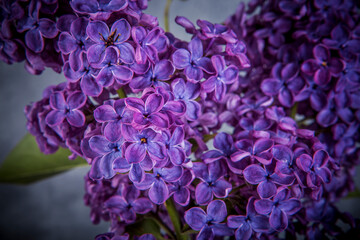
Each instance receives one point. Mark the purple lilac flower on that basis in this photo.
(148, 112)
(128, 204)
(175, 151)
(114, 116)
(98, 9)
(315, 167)
(143, 142)
(247, 224)
(187, 92)
(117, 36)
(111, 70)
(66, 109)
(147, 43)
(156, 182)
(224, 145)
(213, 182)
(103, 166)
(180, 189)
(192, 60)
(323, 66)
(216, 30)
(266, 179)
(224, 76)
(285, 83)
(75, 42)
(279, 208)
(209, 222)
(156, 76)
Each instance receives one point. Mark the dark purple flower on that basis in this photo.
(148, 112)
(75, 42)
(192, 60)
(224, 144)
(111, 70)
(156, 76)
(247, 224)
(285, 83)
(143, 142)
(156, 182)
(187, 92)
(315, 167)
(148, 44)
(128, 204)
(114, 116)
(275, 32)
(103, 166)
(209, 222)
(180, 189)
(213, 182)
(266, 179)
(173, 143)
(216, 31)
(323, 66)
(99, 32)
(224, 76)
(279, 208)
(68, 109)
(98, 9)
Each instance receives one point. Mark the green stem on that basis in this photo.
(294, 110)
(121, 93)
(158, 220)
(166, 15)
(175, 219)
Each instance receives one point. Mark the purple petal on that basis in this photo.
(230, 75)
(66, 43)
(271, 86)
(159, 119)
(100, 144)
(127, 52)
(163, 70)
(221, 188)
(54, 117)
(47, 28)
(159, 192)
(112, 131)
(105, 77)
(196, 48)
(209, 84)
(266, 189)
(193, 72)
(75, 60)
(244, 232)
(278, 220)
(176, 155)
(182, 196)
(326, 118)
(76, 118)
(282, 153)
(90, 87)
(192, 110)
(156, 150)
(235, 221)
(105, 113)
(263, 145)
(219, 63)
(304, 162)
(135, 104)
(97, 31)
(57, 101)
(172, 174)
(136, 173)
(220, 90)
(309, 66)
(254, 174)
(321, 158)
(142, 205)
(321, 53)
(78, 28)
(154, 103)
(121, 72)
(216, 210)
(196, 218)
(76, 100)
(121, 165)
(322, 76)
(34, 40)
(122, 29)
(203, 193)
(263, 206)
(286, 97)
(290, 206)
(146, 183)
(135, 153)
(181, 58)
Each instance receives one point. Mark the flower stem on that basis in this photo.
(166, 15)
(175, 219)
(158, 220)
(121, 93)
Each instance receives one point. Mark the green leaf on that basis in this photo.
(26, 163)
(175, 218)
(147, 225)
(354, 194)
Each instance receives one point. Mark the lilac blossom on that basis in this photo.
(224, 76)
(323, 66)
(213, 182)
(173, 142)
(156, 182)
(98, 9)
(66, 109)
(266, 178)
(187, 93)
(247, 224)
(192, 60)
(156, 76)
(148, 112)
(117, 36)
(114, 116)
(128, 204)
(224, 148)
(209, 222)
(180, 190)
(279, 208)
(75, 42)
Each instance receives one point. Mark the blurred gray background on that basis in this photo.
(53, 209)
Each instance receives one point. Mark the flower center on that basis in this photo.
(143, 140)
(112, 38)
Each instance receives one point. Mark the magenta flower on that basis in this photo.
(180, 189)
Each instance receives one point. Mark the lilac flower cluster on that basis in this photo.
(217, 129)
